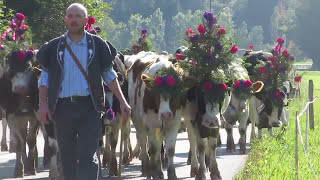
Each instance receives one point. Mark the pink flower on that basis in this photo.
(208, 86)
(251, 47)
(189, 31)
(1, 47)
(24, 27)
(285, 53)
(158, 80)
(280, 95)
(201, 29)
(236, 84)
(280, 40)
(180, 56)
(248, 83)
(222, 31)
(171, 81)
(20, 16)
(22, 55)
(234, 49)
(223, 87)
(263, 70)
(31, 48)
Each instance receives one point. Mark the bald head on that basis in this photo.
(78, 7)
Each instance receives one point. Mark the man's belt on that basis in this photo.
(75, 98)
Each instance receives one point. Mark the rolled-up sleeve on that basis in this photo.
(43, 81)
(109, 75)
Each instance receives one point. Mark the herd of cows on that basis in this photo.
(156, 118)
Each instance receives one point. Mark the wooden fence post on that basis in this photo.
(311, 110)
(297, 148)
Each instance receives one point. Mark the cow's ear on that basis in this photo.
(257, 86)
(146, 79)
(189, 81)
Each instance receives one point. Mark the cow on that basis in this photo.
(112, 127)
(238, 109)
(203, 119)
(20, 101)
(155, 115)
(266, 111)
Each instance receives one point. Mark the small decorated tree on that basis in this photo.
(142, 44)
(88, 27)
(209, 56)
(16, 41)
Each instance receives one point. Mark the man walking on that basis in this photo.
(74, 100)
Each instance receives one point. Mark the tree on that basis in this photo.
(156, 26)
(306, 31)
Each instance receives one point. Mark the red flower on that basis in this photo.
(134, 46)
(180, 56)
(285, 53)
(280, 40)
(22, 55)
(223, 87)
(189, 31)
(263, 70)
(280, 95)
(222, 31)
(171, 81)
(248, 83)
(24, 27)
(297, 79)
(20, 16)
(208, 86)
(158, 80)
(236, 84)
(251, 47)
(31, 48)
(234, 49)
(201, 29)
(91, 20)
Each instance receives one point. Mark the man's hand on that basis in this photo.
(125, 111)
(44, 113)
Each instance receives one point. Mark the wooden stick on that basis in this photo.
(121, 146)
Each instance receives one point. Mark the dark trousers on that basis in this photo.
(78, 128)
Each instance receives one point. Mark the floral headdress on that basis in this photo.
(165, 82)
(210, 51)
(88, 27)
(274, 72)
(142, 44)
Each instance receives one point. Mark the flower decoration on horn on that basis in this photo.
(210, 52)
(166, 82)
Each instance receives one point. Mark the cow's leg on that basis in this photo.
(54, 171)
(214, 170)
(270, 132)
(192, 133)
(253, 116)
(141, 135)
(31, 140)
(47, 151)
(127, 150)
(230, 140)
(4, 146)
(201, 144)
(170, 144)
(259, 133)
(113, 164)
(243, 130)
(18, 126)
(106, 151)
(155, 139)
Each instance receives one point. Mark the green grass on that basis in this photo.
(303, 62)
(274, 157)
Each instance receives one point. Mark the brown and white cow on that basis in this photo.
(266, 111)
(203, 120)
(155, 117)
(238, 109)
(21, 104)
